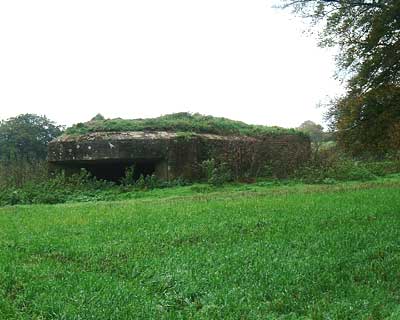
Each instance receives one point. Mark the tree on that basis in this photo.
(26, 137)
(98, 117)
(368, 123)
(317, 135)
(315, 131)
(367, 33)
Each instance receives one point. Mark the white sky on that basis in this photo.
(239, 59)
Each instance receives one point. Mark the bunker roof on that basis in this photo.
(177, 122)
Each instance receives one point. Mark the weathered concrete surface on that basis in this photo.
(173, 155)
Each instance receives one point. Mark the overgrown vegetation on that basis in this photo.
(26, 184)
(178, 122)
(328, 164)
(81, 187)
(18, 173)
(216, 174)
(345, 169)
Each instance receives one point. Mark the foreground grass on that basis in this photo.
(300, 252)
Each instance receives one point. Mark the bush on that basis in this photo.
(385, 167)
(216, 174)
(57, 189)
(129, 178)
(30, 184)
(18, 173)
(330, 166)
(144, 182)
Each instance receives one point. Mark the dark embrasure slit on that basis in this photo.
(116, 170)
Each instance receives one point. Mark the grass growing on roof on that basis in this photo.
(301, 253)
(179, 122)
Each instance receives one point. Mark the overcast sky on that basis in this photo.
(239, 59)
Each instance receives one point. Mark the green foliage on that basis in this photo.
(19, 172)
(368, 123)
(36, 187)
(184, 123)
(80, 187)
(58, 189)
(98, 117)
(129, 177)
(343, 170)
(329, 166)
(367, 34)
(146, 182)
(319, 138)
(315, 131)
(267, 252)
(216, 173)
(208, 167)
(186, 136)
(26, 136)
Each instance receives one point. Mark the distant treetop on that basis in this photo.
(98, 116)
(25, 137)
(178, 122)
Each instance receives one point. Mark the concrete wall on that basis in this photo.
(179, 155)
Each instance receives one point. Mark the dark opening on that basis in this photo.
(115, 170)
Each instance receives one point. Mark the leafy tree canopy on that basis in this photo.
(314, 130)
(367, 33)
(368, 123)
(98, 117)
(26, 137)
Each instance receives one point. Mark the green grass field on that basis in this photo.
(246, 252)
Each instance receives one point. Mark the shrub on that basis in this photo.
(329, 166)
(37, 187)
(216, 174)
(129, 178)
(18, 173)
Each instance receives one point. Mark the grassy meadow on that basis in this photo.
(243, 252)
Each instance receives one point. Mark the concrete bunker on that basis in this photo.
(171, 155)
